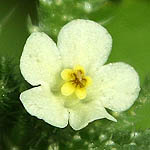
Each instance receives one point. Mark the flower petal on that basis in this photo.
(67, 89)
(40, 59)
(116, 85)
(85, 112)
(41, 103)
(85, 43)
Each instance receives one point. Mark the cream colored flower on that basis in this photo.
(72, 84)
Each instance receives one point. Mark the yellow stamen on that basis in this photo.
(67, 89)
(80, 93)
(76, 81)
(66, 74)
(88, 81)
(79, 68)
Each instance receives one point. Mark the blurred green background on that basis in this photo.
(128, 21)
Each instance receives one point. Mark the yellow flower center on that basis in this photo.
(75, 82)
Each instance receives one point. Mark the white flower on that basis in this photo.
(72, 84)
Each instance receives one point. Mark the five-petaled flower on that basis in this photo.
(72, 84)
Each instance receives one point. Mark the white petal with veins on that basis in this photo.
(85, 43)
(116, 85)
(40, 102)
(40, 60)
(85, 112)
